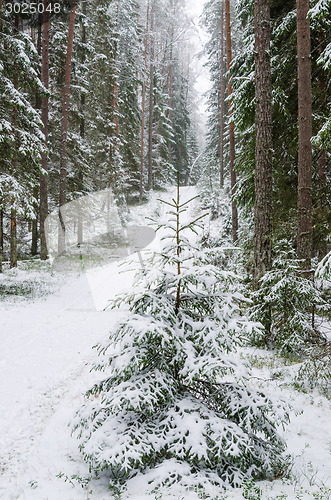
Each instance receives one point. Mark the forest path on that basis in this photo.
(45, 350)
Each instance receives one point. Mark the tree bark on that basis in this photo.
(263, 140)
(44, 118)
(1, 236)
(151, 106)
(322, 202)
(114, 142)
(304, 241)
(222, 101)
(141, 187)
(322, 164)
(13, 237)
(82, 130)
(65, 123)
(231, 123)
(13, 214)
(34, 241)
(170, 90)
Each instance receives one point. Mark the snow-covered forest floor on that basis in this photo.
(49, 323)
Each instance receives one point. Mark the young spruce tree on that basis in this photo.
(172, 403)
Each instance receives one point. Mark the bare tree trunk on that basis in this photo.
(231, 123)
(151, 106)
(141, 187)
(65, 123)
(263, 140)
(222, 101)
(305, 134)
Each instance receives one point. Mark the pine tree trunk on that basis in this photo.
(114, 147)
(222, 101)
(35, 233)
(305, 134)
(13, 220)
(13, 237)
(173, 11)
(322, 163)
(1, 232)
(65, 123)
(44, 118)
(141, 187)
(34, 242)
(323, 203)
(231, 123)
(150, 111)
(263, 140)
(82, 130)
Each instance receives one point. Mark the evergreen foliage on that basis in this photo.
(284, 303)
(172, 397)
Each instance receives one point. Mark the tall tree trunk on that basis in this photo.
(231, 123)
(35, 234)
(65, 123)
(13, 214)
(13, 236)
(151, 106)
(141, 187)
(170, 90)
(323, 204)
(114, 147)
(1, 209)
(82, 129)
(305, 133)
(263, 140)
(34, 241)
(322, 164)
(44, 118)
(1, 231)
(221, 149)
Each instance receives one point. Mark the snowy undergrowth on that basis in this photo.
(29, 281)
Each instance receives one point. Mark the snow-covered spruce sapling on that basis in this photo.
(284, 303)
(172, 405)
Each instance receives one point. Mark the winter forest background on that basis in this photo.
(210, 376)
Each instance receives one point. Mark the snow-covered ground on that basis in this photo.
(45, 354)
